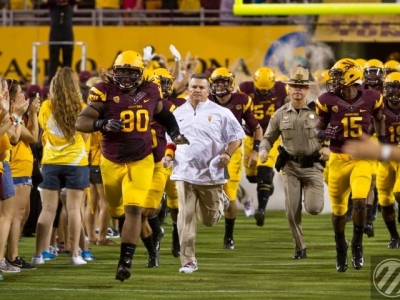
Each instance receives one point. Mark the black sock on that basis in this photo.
(358, 232)
(175, 226)
(127, 253)
(391, 226)
(340, 240)
(121, 221)
(263, 196)
(148, 243)
(370, 213)
(229, 225)
(154, 225)
(175, 234)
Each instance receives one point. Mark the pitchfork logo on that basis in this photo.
(386, 278)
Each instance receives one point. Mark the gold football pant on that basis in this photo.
(126, 184)
(345, 174)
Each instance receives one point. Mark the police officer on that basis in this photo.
(301, 156)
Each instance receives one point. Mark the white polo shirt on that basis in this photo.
(209, 129)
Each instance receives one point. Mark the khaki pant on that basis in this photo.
(298, 181)
(207, 202)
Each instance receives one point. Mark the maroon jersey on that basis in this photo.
(392, 125)
(263, 109)
(352, 117)
(159, 140)
(241, 107)
(136, 110)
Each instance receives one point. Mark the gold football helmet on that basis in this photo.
(321, 76)
(222, 82)
(391, 87)
(128, 70)
(264, 81)
(374, 72)
(391, 66)
(345, 72)
(361, 62)
(166, 81)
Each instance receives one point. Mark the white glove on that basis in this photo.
(147, 53)
(175, 52)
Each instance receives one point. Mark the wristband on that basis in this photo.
(170, 150)
(256, 145)
(385, 152)
(17, 122)
(98, 124)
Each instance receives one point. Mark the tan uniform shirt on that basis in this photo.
(296, 129)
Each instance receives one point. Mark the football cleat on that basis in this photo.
(229, 244)
(341, 258)
(369, 229)
(123, 272)
(357, 257)
(394, 243)
(153, 261)
(259, 215)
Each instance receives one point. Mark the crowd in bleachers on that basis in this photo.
(148, 12)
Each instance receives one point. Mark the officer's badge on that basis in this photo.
(335, 108)
(311, 116)
(209, 118)
(239, 106)
(116, 99)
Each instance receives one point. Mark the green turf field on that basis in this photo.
(260, 267)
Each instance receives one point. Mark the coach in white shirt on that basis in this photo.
(199, 169)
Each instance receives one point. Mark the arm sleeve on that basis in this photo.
(166, 119)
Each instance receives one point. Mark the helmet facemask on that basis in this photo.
(221, 86)
(128, 78)
(373, 76)
(336, 82)
(391, 92)
(166, 86)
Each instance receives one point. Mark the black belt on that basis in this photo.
(301, 159)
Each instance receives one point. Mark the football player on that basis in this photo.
(122, 108)
(388, 180)
(391, 66)
(347, 112)
(222, 85)
(166, 82)
(374, 74)
(267, 95)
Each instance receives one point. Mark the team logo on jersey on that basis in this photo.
(209, 118)
(335, 108)
(311, 116)
(239, 106)
(116, 99)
